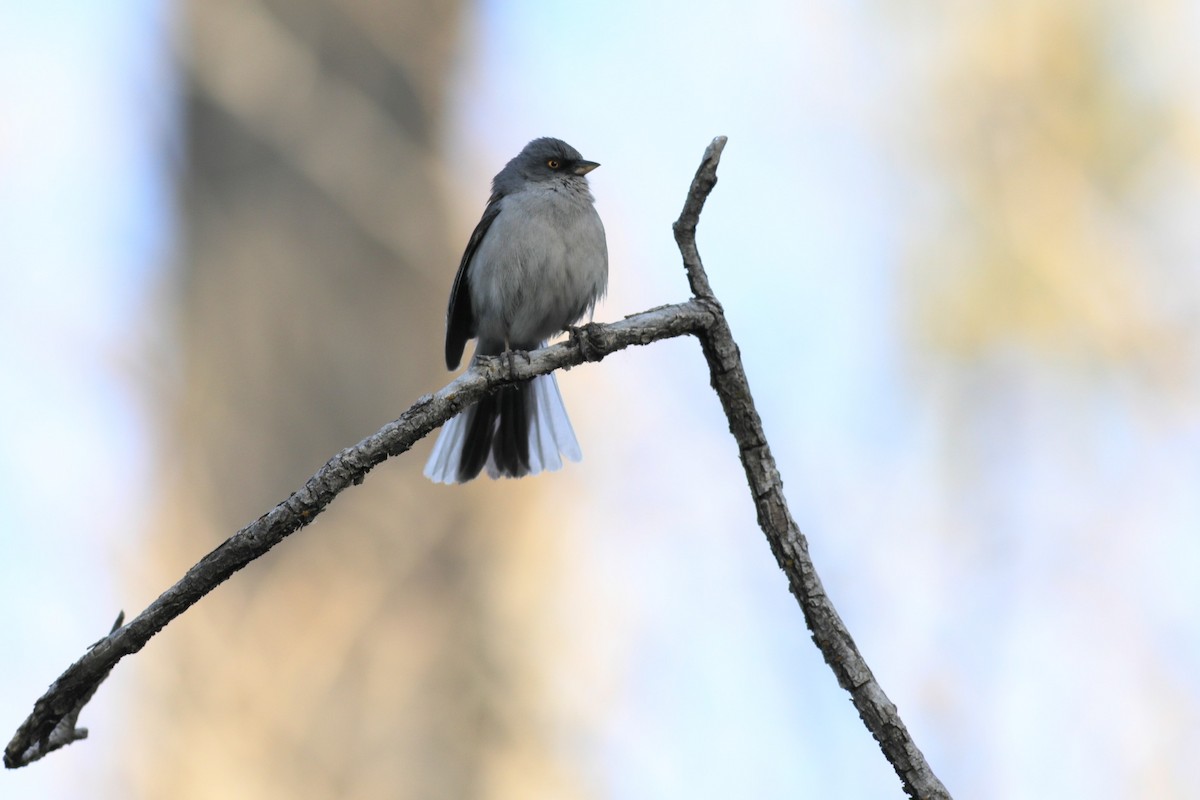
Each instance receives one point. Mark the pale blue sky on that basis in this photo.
(85, 221)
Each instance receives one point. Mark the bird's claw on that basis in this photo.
(581, 335)
(512, 360)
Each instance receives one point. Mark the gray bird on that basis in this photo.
(535, 264)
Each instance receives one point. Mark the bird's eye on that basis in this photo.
(552, 163)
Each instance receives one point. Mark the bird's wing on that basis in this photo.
(460, 320)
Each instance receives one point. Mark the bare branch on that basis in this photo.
(52, 723)
(787, 542)
(689, 218)
(41, 732)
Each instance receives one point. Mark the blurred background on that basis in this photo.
(958, 246)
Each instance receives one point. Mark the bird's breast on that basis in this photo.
(542, 265)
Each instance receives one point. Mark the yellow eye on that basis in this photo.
(552, 163)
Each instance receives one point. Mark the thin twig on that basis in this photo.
(787, 542)
(685, 227)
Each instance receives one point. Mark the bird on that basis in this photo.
(536, 263)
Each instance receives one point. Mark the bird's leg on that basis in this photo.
(512, 354)
(581, 335)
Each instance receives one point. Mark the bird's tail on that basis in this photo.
(520, 430)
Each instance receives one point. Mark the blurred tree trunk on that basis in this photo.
(357, 660)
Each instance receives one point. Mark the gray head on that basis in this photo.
(543, 160)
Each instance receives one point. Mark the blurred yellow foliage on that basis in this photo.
(1050, 157)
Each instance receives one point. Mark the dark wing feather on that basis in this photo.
(460, 319)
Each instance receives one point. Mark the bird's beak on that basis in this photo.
(584, 167)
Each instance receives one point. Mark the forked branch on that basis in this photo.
(52, 723)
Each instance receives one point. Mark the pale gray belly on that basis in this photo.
(542, 266)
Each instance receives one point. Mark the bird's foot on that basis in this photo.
(512, 361)
(585, 336)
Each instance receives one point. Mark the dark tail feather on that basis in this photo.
(478, 442)
(508, 441)
(511, 445)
